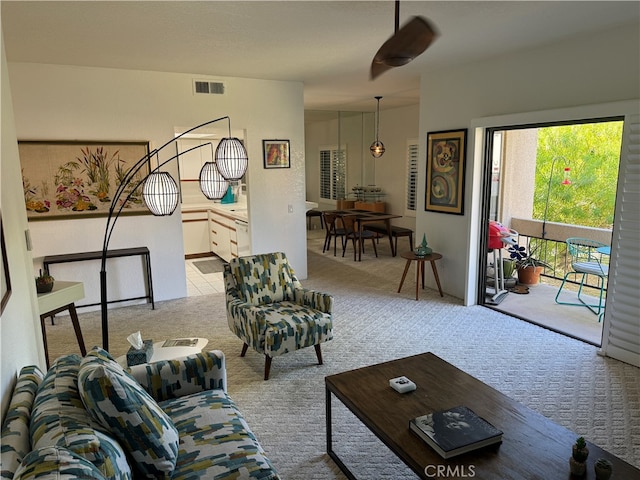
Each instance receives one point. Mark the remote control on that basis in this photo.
(402, 384)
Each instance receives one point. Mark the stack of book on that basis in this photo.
(455, 431)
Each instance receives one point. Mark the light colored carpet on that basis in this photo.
(563, 379)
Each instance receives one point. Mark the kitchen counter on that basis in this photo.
(235, 210)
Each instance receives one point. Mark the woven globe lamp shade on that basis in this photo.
(212, 183)
(377, 149)
(160, 193)
(231, 159)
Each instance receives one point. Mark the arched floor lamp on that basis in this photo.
(160, 192)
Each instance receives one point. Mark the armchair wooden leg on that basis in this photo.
(244, 350)
(318, 353)
(267, 366)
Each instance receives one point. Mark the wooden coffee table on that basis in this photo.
(533, 446)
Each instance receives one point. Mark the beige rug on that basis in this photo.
(563, 379)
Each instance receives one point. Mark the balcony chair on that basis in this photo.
(585, 260)
(353, 233)
(268, 309)
(333, 231)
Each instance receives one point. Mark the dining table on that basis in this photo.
(364, 217)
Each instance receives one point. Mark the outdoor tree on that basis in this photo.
(592, 152)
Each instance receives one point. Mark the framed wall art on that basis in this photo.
(276, 153)
(446, 152)
(77, 179)
(5, 281)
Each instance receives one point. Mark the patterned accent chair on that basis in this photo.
(269, 310)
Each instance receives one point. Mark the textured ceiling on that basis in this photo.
(328, 45)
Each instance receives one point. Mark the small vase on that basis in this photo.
(423, 250)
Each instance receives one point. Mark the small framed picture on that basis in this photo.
(276, 153)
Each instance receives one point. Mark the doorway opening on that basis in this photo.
(545, 183)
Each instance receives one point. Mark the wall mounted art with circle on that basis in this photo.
(446, 152)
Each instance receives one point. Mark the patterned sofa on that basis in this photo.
(89, 418)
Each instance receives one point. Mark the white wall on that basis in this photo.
(583, 71)
(20, 339)
(104, 104)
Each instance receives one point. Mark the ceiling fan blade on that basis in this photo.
(406, 44)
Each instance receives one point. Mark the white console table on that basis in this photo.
(61, 298)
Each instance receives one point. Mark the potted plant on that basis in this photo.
(44, 282)
(579, 454)
(603, 469)
(528, 266)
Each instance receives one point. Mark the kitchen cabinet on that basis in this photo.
(195, 231)
(223, 231)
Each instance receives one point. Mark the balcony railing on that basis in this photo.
(553, 249)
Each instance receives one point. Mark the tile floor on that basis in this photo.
(201, 284)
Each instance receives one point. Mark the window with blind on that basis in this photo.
(333, 173)
(412, 175)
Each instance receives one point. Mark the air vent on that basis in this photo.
(211, 88)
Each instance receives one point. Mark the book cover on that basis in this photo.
(180, 342)
(455, 431)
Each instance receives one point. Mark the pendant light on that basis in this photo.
(377, 147)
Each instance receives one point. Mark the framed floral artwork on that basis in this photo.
(276, 153)
(446, 152)
(74, 179)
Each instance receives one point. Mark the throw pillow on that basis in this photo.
(119, 403)
(55, 463)
(59, 418)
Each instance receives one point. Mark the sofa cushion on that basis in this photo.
(60, 419)
(263, 279)
(15, 443)
(56, 463)
(119, 403)
(215, 440)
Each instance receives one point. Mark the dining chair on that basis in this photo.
(353, 232)
(586, 261)
(334, 231)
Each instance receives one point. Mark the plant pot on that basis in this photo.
(578, 469)
(44, 287)
(529, 276)
(603, 469)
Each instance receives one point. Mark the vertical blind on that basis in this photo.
(621, 336)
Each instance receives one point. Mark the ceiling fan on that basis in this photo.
(404, 45)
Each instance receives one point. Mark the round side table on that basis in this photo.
(412, 257)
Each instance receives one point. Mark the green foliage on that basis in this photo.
(592, 152)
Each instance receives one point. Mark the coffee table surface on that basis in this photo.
(533, 446)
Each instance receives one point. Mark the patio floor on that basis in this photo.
(539, 307)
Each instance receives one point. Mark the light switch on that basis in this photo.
(290, 208)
